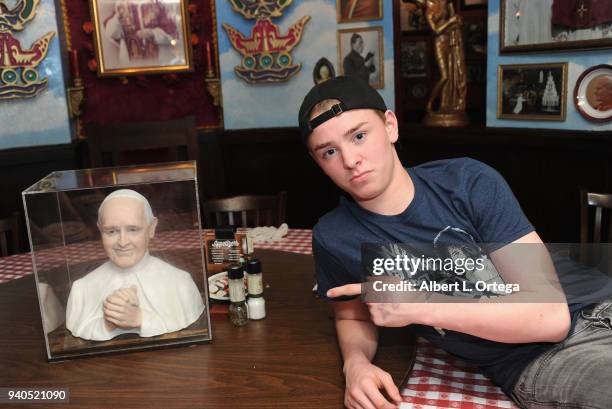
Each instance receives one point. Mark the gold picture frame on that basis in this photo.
(372, 48)
(141, 37)
(348, 11)
(532, 92)
(542, 30)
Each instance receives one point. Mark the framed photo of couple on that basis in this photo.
(546, 25)
(532, 92)
(135, 37)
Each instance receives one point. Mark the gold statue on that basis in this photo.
(451, 89)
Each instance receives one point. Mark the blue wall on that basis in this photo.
(276, 105)
(577, 63)
(42, 120)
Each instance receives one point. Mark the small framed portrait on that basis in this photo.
(348, 11)
(593, 93)
(414, 57)
(360, 54)
(323, 70)
(554, 25)
(135, 37)
(532, 92)
(473, 4)
(412, 17)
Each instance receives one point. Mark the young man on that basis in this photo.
(523, 347)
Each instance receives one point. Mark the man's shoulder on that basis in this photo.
(333, 222)
(453, 166)
(163, 269)
(97, 276)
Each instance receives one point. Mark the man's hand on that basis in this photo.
(121, 308)
(383, 314)
(364, 382)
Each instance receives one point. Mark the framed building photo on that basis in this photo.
(360, 54)
(593, 93)
(532, 92)
(554, 25)
(414, 55)
(135, 37)
(348, 11)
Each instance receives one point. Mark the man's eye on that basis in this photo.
(360, 136)
(329, 152)
(110, 231)
(133, 229)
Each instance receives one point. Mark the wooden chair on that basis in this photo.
(142, 142)
(251, 211)
(593, 254)
(9, 235)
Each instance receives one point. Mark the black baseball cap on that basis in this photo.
(352, 92)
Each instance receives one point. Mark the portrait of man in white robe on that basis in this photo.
(132, 292)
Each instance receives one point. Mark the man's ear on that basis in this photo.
(152, 227)
(391, 125)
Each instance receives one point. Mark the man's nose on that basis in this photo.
(351, 157)
(123, 240)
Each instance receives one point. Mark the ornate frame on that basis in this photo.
(103, 42)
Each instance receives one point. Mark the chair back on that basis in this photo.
(598, 201)
(9, 235)
(246, 211)
(138, 143)
(591, 253)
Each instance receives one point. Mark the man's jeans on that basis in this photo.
(577, 372)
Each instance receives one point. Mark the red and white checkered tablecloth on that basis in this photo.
(19, 265)
(439, 380)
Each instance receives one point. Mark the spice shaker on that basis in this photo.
(238, 314)
(256, 302)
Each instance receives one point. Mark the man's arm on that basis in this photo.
(513, 321)
(358, 340)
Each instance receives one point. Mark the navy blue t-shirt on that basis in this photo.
(459, 195)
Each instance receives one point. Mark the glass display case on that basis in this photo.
(118, 258)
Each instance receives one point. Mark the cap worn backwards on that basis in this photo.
(352, 92)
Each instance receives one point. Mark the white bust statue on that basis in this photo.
(133, 292)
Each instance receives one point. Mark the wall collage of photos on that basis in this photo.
(417, 69)
(550, 64)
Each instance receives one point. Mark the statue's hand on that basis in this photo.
(121, 308)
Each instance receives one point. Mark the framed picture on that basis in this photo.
(135, 37)
(532, 92)
(559, 25)
(414, 57)
(475, 38)
(323, 70)
(360, 54)
(472, 4)
(412, 17)
(348, 11)
(593, 93)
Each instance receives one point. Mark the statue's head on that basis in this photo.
(126, 224)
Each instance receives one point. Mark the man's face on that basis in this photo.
(358, 45)
(603, 90)
(125, 232)
(355, 150)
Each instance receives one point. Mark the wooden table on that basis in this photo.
(289, 360)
